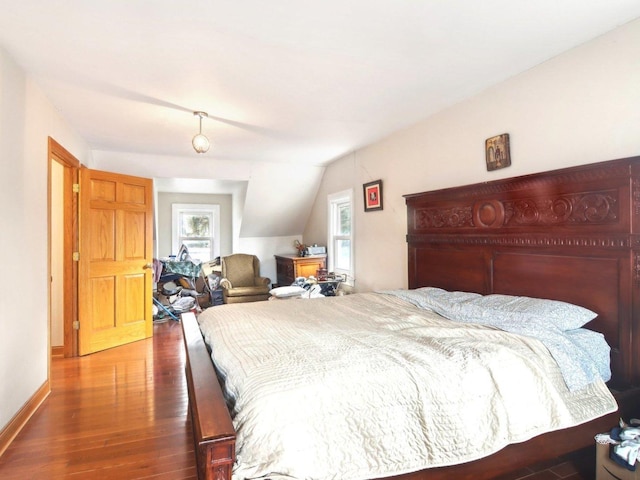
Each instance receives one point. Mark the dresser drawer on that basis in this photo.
(289, 267)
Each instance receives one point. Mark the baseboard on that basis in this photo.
(57, 351)
(16, 424)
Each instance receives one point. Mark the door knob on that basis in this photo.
(147, 265)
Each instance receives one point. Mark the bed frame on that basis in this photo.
(570, 234)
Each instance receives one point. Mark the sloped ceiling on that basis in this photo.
(287, 82)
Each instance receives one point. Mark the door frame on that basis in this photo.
(71, 165)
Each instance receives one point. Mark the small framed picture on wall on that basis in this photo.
(372, 196)
(497, 152)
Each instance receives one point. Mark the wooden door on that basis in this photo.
(114, 271)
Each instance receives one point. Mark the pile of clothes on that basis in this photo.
(625, 441)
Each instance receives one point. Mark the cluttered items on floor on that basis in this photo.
(182, 285)
(618, 452)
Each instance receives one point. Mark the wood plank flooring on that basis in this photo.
(117, 414)
(580, 465)
(122, 414)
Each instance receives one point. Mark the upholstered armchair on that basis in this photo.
(241, 280)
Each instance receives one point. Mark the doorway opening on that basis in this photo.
(63, 242)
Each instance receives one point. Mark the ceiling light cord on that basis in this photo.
(200, 142)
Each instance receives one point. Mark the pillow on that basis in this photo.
(287, 292)
(564, 316)
(444, 297)
(440, 301)
(467, 306)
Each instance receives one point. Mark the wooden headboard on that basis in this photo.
(570, 234)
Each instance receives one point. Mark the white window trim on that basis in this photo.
(195, 207)
(332, 200)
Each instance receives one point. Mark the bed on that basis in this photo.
(566, 235)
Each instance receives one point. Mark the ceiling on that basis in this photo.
(284, 80)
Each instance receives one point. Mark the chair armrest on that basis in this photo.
(262, 281)
(225, 283)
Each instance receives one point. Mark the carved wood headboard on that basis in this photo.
(569, 234)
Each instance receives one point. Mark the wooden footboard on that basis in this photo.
(213, 433)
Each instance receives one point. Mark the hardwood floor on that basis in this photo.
(117, 414)
(122, 414)
(580, 465)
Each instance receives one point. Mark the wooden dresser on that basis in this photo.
(291, 266)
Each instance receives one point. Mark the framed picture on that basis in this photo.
(372, 196)
(497, 152)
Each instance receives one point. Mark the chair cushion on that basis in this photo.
(240, 291)
(246, 299)
(239, 269)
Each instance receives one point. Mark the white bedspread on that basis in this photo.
(368, 385)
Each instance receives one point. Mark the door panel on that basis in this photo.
(115, 281)
(102, 293)
(133, 288)
(102, 246)
(134, 225)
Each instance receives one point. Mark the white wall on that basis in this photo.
(580, 107)
(265, 248)
(26, 121)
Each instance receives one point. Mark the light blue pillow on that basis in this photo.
(465, 306)
(564, 316)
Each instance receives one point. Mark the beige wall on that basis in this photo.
(26, 120)
(57, 254)
(165, 200)
(580, 107)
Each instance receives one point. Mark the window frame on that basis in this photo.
(212, 209)
(333, 201)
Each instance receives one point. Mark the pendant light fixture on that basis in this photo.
(200, 142)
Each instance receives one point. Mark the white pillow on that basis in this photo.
(287, 292)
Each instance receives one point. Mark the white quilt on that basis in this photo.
(368, 385)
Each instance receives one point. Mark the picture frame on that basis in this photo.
(497, 152)
(372, 196)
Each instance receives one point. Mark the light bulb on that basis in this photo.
(200, 143)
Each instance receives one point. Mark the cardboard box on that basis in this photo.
(211, 266)
(204, 300)
(316, 250)
(607, 469)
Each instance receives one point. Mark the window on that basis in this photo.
(197, 227)
(340, 242)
